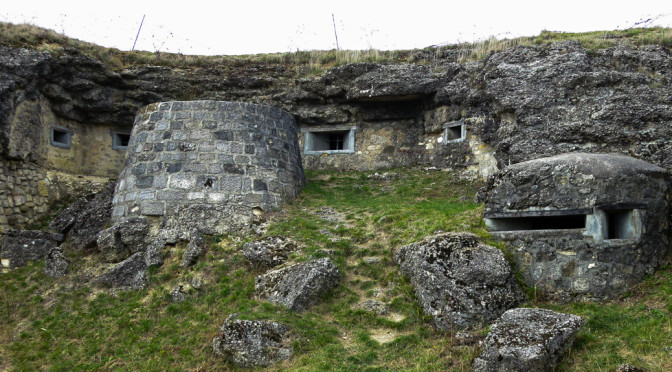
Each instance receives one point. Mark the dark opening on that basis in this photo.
(330, 141)
(620, 224)
(453, 133)
(60, 137)
(575, 221)
(120, 140)
(336, 141)
(123, 139)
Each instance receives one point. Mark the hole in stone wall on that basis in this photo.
(61, 137)
(329, 141)
(621, 224)
(257, 211)
(454, 132)
(208, 183)
(120, 140)
(575, 221)
(321, 141)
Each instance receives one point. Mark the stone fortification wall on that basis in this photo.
(208, 165)
(23, 193)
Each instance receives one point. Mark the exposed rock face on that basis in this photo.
(55, 264)
(123, 239)
(268, 252)
(248, 343)
(85, 218)
(582, 225)
(518, 104)
(298, 286)
(563, 98)
(22, 246)
(459, 282)
(130, 273)
(527, 340)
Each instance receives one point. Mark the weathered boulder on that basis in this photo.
(154, 252)
(22, 246)
(55, 264)
(298, 286)
(458, 281)
(178, 294)
(123, 239)
(130, 273)
(249, 343)
(527, 340)
(268, 252)
(195, 249)
(83, 220)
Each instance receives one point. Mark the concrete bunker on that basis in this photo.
(208, 165)
(581, 225)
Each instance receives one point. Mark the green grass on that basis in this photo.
(62, 325)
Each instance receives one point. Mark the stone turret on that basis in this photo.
(208, 165)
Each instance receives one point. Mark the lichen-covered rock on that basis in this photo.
(195, 249)
(268, 252)
(55, 263)
(22, 246)
(249, 343)
(374, 306)
(298, 286)
(529, 340)
(130, 273)
(628, 368)
(85, 218)
(178, 294)
(458, 281)
(154, 252)
(123, 239)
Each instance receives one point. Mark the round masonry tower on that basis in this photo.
(208, 165)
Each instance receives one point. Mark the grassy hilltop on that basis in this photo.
(35, 37)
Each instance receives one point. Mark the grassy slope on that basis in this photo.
(61, 325)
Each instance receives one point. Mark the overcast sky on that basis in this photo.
(249, 26)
